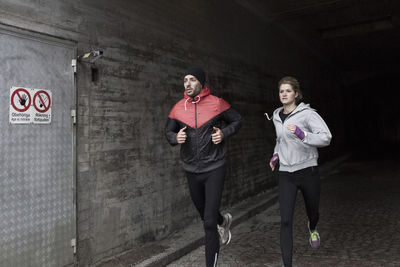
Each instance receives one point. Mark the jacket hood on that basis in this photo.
(204, 92)
(300, 107)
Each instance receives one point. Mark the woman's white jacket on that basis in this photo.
(294, 153)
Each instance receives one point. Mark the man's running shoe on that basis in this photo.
(224, 232)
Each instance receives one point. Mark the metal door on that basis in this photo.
(37, 163)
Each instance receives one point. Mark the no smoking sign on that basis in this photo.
(30, 106)
(41, 101)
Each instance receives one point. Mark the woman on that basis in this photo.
(299, 130)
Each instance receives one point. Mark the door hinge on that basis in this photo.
(73, 64)
(73, 245)
(73, 116)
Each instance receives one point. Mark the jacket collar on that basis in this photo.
(300, 107)
(204, 92)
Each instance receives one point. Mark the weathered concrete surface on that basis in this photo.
(191, 237)
(358, 224)
(130, 185)
(161, 253)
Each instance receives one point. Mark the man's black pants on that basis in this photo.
(206, 192)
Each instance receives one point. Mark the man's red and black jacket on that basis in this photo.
(199, 154)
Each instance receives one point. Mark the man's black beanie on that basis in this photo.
(196, 72)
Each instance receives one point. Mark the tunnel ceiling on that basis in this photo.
(356, 35)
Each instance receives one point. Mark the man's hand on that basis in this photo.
(181, 136)
(218, 136)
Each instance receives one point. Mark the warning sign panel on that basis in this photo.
(42, 103)
(30, 106)
(21, 99)
(20, 103)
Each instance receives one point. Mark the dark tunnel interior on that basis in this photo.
(361, 39)
(372, 124)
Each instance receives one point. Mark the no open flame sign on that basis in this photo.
(29, 106)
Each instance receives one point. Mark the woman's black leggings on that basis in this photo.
(308, 181)
(206, 192)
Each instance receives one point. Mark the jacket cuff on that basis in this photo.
(173, 141)
(305, 136)
(226, 135)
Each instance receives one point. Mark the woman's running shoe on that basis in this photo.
(315, 239)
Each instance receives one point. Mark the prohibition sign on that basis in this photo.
(21, 99)
(44, 101)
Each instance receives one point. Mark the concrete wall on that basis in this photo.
(130, 185)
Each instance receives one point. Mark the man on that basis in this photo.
(195, 123)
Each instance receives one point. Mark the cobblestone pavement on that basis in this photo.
(359, 224)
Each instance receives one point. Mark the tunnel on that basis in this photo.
(88, 178)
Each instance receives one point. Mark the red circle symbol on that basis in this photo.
(44, 101)
(24, 100)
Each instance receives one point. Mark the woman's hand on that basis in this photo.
(297, 131)
(291, 128)
(274, 160)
